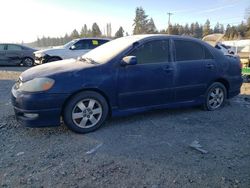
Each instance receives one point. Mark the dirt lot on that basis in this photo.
(145, 150)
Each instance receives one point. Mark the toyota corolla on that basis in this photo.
(126, 76)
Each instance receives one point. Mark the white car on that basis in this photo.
(73, 49)
(226, 50)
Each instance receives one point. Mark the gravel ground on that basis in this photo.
(145, 150)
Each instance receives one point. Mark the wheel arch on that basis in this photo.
(88, 89)
(224, 82)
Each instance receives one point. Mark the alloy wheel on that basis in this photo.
(216, 98)
(28, 62)
(87, 113)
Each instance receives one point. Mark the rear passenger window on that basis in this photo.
(152, 52)
(188, 50)
(14, 47)
(208, 54)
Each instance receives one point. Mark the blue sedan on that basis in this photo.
(126, 76)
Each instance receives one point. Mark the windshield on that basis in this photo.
(109, 50)
(69, 44)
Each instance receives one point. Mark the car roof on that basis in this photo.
(10, 43)
(148, 36)
(93, 38)
(144, 37)
(24, 46)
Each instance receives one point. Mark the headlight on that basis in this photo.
(40, 54)
(37, 84)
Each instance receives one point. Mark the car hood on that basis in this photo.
(71, 66)
(50, 50)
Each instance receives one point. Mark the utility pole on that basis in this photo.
(169, 16)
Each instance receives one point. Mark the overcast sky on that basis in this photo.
(25, 20)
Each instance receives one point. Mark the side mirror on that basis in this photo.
(129, 60)
(72, 47)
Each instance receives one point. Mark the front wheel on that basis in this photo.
(85, 112)
(215, 97)
(27, 62)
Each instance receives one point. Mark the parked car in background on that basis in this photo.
(15, 54)
(125, 76)
(73, 49)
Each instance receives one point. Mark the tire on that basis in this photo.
(27, 62)
(54, 59)
(85, 112)
(215, 97)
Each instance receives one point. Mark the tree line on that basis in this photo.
(94, 31)
(145, 25)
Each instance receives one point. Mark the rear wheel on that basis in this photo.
(85, 112)
(215, 96)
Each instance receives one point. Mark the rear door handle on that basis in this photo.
(168, 69)
(210, 66)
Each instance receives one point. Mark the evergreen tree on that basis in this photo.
(74, 34)
(140, 21)
(227, 33)
(174, 30)
(221, 28)
(38, 42)
(192, 29)
(186, 30)
(217, 28)
(197, 30)
(151, 29)
(163, 31)
(206, 28)
(242, 29)
(248, 23)
(119, 33)
(84, 31)
(181, 30)
(96, 32)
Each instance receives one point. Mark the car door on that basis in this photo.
(3, 59)
(150, 81)
(14, 54)
(195, 67)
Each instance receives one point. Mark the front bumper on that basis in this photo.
(44, 118)
(44, 107)
(41, 60)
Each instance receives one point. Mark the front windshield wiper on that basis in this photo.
(88, 60)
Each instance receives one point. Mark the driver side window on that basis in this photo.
(152, 52)
(82, 45)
